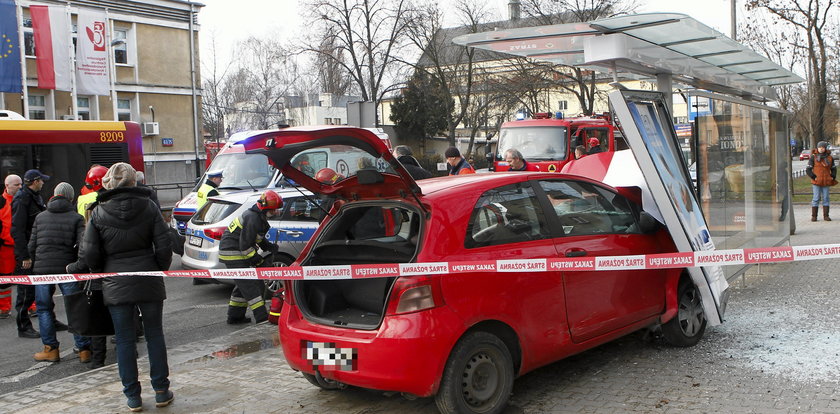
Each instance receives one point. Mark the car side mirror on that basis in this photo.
(647, 224)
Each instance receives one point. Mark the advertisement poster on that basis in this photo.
(648, 130)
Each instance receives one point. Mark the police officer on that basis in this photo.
(208, 189)
(93, 183)
(238, 249)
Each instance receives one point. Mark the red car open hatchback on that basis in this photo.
(464, 337)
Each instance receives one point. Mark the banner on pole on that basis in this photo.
(51, 29)
(91, 54)
(10, 80)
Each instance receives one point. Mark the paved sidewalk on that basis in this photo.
(777, 352)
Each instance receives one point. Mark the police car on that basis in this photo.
(290, 230)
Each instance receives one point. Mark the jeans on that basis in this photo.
(123, 317)
(818, 193)
(46, 315)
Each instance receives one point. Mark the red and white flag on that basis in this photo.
(51, 28)
(91, 54)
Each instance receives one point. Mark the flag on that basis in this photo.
(91, 54)
(10, 80)
(51, 28)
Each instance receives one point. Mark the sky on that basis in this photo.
(229, 21)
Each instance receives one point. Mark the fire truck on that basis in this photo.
(549, 141)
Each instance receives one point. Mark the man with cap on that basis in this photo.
(26, 204)
(7, 243)
(238, 249)
(457, 164)
(209, 188)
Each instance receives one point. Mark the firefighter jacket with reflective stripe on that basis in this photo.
(208, 189)
(463, 167)
(84, 201)
(243, 234)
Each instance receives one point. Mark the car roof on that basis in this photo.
(455, 185)
(243, 195)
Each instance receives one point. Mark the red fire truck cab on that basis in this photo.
(549, 142)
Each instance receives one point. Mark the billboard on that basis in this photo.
(647, 127)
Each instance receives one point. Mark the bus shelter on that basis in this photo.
(739, 145)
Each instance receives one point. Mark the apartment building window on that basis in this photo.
(83, 104)
(562, 105)
(336, 121)
(328, 121)
(28, 38)
(121, 49)
(37, 107)
(124, 109)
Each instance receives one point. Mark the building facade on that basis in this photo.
(155, 78)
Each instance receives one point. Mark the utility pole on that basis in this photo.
(733, 30)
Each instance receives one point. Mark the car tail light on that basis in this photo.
(215, 233)
(416, 293)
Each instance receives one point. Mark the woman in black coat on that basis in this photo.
(126, 233)
(55, 237)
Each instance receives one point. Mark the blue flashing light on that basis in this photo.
(558, 115)
(520, 116)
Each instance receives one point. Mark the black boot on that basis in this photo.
(814, 211)
(825, 214)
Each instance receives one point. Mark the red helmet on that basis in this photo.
(594, 142)
(270, 201)
(93, 179)
(328, 176)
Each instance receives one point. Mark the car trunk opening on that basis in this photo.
(366, 233)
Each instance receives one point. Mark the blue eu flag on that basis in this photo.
(9, 48)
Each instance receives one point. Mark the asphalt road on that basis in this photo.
(191, 313)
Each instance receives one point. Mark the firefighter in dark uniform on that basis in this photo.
(238, 249)
(208, 189)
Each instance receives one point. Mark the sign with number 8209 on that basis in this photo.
(111, 136)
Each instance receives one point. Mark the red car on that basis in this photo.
(464, 337)
(804, 155)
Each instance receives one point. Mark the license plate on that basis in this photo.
(196, 241)
(327, 355)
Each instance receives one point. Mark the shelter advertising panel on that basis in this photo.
(647, 127)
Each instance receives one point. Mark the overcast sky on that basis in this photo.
(230, 21)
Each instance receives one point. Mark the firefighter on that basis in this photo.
(238, 249)
(209, 188)
(93, 183)
(594, 146)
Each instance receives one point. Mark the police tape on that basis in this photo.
(598, 263)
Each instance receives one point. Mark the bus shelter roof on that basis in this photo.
(646, 45)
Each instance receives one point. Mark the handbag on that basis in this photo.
(87, 314)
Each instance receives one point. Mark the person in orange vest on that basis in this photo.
(7, 243)
(457, 164)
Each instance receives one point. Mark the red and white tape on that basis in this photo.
(570, 264)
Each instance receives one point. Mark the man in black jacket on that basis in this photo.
(25, 206)
(56, 234)
(238, 249)
(403, 154)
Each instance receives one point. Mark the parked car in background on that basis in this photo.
(290, 230)
(805, 154)
(464, 337)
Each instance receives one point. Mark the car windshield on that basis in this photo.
(535, 143)
(330, 164)
(214, 211)
(243, 171)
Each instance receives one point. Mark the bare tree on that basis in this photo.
(332, 77)
(213, 105)
(809, 18)
(365, 36)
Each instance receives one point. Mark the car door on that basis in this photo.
(292, 229)
(591, 221)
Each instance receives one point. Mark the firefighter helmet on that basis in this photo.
(93, 179)
(328, 176)
(270, 201)
(594, 142)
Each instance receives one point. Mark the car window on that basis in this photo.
(508, 214)
(301, 209)
(214, 211)
(583, 208)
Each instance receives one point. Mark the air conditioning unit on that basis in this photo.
(68, 117)
(151, 128)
